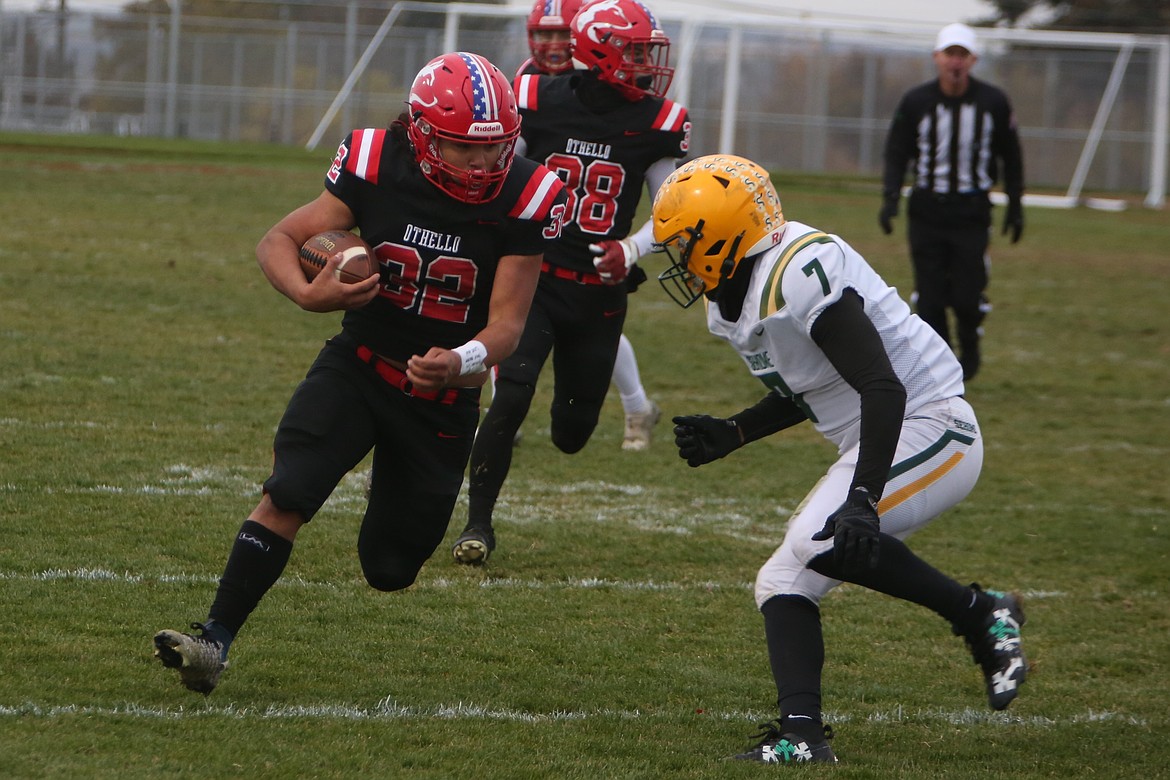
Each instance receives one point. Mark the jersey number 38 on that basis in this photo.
(593, 190)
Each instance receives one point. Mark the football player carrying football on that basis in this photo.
(607, 130)
(837, 347)
(459, 224)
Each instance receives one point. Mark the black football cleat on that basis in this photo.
(777, 747)
(474, 545)
(995, 647)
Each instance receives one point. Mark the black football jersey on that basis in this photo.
(601, 156)
(438, 255)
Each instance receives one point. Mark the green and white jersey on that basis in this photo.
(791, 284)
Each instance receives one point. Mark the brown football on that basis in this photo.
(357, 259)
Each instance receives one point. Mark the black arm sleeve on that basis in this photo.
(898, 151)
(1007, 143)
(772, 414)
(852, 344)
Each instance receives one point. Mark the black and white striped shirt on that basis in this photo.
(954, 145)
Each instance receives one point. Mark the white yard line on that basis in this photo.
(388, 709)
(439, 583)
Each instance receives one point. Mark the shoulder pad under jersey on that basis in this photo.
(539, 193)
(671, 117)
(528, 67)
(526, 86)
(772, 296)
(361, 154)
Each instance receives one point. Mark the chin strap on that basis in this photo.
(728, 267)
(725, 271)
(732, 291)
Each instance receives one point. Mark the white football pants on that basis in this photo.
(938, 460)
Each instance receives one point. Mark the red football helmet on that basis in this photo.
(551, 17)
(621, 41)
(464, 98)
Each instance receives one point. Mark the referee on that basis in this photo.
(953, 133)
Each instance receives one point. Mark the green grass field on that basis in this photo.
(146, 362)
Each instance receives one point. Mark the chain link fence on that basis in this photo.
(793, 94)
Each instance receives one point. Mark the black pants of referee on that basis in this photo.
(949, 236)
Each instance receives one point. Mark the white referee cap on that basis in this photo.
(957, 35)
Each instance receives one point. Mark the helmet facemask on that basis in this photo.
(470, 185)
(549, 43)
(548, 34)
(683, 287)
(644, 70)
(681, 283)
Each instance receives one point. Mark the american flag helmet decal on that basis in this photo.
(485, 102)
(649, 14)
(553, 14)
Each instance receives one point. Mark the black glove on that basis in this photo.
(1013, 220)
(635, 278)
(854, 528)
(702, 438)
(888, 212)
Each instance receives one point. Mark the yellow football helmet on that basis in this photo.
(715, 211)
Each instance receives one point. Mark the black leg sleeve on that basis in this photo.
(491, 455)
(256, 562)
(796, 652)
(902, 574)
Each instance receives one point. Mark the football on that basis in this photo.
(357, 259)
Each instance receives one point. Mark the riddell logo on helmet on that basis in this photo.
(485, 128)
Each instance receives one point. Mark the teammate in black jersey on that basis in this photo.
(548, 37)
(550, 43)
(608, 132)
(459, 225)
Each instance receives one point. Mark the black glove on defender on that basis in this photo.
(702, 438)
(855, 530)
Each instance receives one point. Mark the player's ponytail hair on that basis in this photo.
(398, 128)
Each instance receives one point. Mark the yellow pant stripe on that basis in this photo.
(904, 493)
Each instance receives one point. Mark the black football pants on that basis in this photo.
(950, 272)
(580, 325)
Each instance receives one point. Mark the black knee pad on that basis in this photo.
(399, 533)
(572, 425)
(390, 572)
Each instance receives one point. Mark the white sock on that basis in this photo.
(627, 379)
